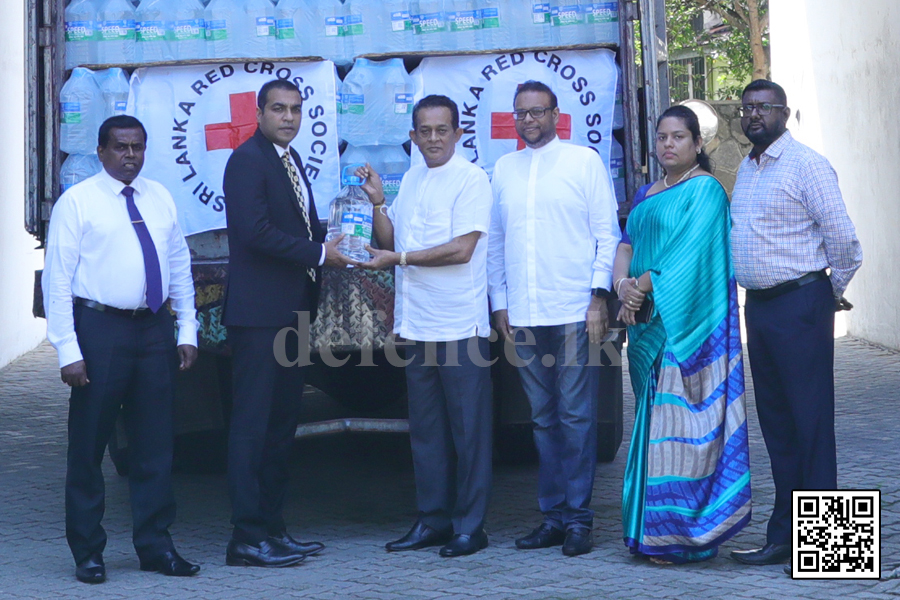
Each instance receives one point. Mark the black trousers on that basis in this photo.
(790, 340)
(266, 407)
(131, 365)
(450, 431)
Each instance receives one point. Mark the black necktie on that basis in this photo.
(151, 259)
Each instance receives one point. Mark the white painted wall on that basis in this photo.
(839, 62)
(19, 331)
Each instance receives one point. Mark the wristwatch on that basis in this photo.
(602, 293)
(403, 259)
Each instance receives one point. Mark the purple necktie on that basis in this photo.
(151, 260)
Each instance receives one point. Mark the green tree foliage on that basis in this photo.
(743, 46)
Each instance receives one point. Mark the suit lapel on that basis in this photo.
(281, 174)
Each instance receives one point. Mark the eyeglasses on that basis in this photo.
(763, 109)
(536, 113)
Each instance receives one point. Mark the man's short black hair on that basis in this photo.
(436, 101)
(118, 122)
(275, 84)
(759, 85)
(537, 86)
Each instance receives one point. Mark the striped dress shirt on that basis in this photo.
(789, 219)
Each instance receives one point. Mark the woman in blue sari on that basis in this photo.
(687, 480)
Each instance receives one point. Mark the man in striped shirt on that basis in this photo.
(790, 227)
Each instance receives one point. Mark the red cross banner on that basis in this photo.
(197, 115)
(483, 87)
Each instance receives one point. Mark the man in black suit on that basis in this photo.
(276, 251)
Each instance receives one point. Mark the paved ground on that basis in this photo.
(355, 493)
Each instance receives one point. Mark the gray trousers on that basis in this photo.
(450, 431)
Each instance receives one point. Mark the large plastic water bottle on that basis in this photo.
(187, 34)
(619, 110)
(530, 24)
(327, 29)
(376, 103)
(567, 18)
(257, 24)
(222, 31)
(116, 27)
(362, 19)
(603, 19)
(152, 26)
(463, 23)
(76, 168)
(390, 162)
(81, 113)
(397, 31)
(351, 214)
(496, 24)
(617, 170)
(293, 28)
(114, 88)
(430, 25)
(81, 40)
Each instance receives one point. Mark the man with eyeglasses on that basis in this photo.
(789, 226)
(550, 257)
(435, 233)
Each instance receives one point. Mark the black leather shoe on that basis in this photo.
(304, 548)
(171, 564)
(420, 536)
(579, 540)
(770, 554)
(91, 569)
(463, 545)
(269, 553)
(544, 536)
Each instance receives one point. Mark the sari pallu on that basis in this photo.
(687, 480)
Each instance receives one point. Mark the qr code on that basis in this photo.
(837, 534)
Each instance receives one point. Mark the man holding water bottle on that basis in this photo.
(435, 232)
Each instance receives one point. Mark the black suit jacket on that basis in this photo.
(269, 247)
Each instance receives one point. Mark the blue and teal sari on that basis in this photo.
(687, 481)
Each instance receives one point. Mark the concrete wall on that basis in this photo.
(839, 62)
(19, 331)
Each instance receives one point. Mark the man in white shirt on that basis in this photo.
(435, 232)
(115, 253)
(550, 256)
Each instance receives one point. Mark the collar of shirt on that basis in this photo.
(775, 149)
(281, 152)
(548, 147)
(115, 186)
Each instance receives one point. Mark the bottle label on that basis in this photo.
(464, 20)
(284, 29)
(151, 31)
(187, 29)
(353, 104)
(540, 12)
(120, 107)
(334, 26)
(216, 30)
(490, 18)
(70, 113)
(403, 104)
(391, 183)
(356, 224)
(566, 15)
(265, 26)
(79, 31)
(401, 21)
(117, 31)
(353, 25)
(602, 13)
(429, 23)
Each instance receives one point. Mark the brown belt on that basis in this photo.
(138, 313)
(787, 286)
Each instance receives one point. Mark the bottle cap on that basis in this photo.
(348, 175)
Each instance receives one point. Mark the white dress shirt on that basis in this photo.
(441, 304)
(93, 252)
(281, 152)
(554, 232)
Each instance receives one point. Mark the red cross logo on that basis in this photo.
(503, 127)
(228, 136)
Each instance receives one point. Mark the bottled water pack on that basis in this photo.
(81, 33)
(351, 214)
(76, 168)
(617, 170)
(390, 162)
(114, 88)
(170, 30)
(116, 32)
(81, 113)
(376, 102)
